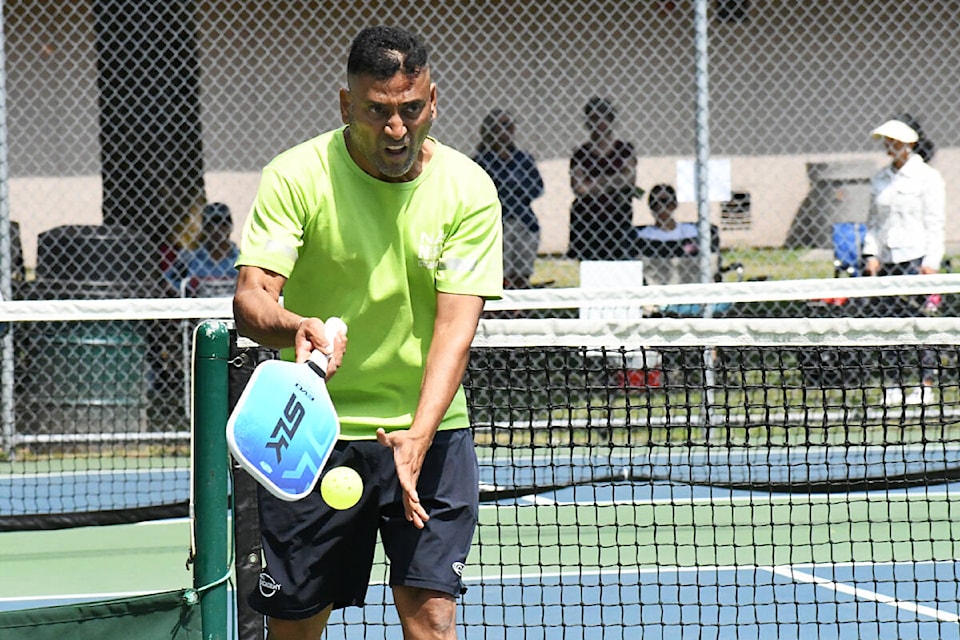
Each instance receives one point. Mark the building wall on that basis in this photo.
(794, 83)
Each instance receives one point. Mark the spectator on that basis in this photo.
(518, 183)
(603, 175)
(669, 248)
(905, 233)
(209, 267)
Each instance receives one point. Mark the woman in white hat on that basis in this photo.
(905, 227)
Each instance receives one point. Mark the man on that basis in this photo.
(399, 235)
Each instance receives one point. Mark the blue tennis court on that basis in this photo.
(652, 471)
(91, 490)
(635, 571)
(901, 598)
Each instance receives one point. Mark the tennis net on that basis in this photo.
(644, 477)
(95, 421)
(719, 478)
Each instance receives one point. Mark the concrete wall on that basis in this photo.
(778, 185)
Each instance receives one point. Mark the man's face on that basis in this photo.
(600, 123)
(388, 122)
(217, 232)
(662, 206)
(503, 130)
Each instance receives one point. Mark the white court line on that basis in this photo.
(84, 598)
(758, 499)
(864, 594)
(494, 573)
(77, 598)
(538, 499)
(57, 475)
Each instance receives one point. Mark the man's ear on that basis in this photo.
(345, 105)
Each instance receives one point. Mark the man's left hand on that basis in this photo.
(408, 454)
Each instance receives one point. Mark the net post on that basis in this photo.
(211, 468)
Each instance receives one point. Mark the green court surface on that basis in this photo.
(753, 531)
(40, 567)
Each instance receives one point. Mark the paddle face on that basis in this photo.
(283, 428)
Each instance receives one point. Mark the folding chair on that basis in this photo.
(848, 248)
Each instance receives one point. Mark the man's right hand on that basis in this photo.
(312, 334)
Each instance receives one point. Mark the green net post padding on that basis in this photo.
(170, 615)
(211, 468)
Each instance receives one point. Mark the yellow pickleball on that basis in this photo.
(341, 487)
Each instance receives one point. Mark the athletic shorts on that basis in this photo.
(315, 556)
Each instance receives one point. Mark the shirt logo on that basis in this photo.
(458, 568)
(429, 252)
(268, 586)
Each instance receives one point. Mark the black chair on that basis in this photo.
(95, 262)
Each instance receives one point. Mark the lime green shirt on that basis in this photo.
(376, 253)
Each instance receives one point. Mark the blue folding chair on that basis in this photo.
(848, 248)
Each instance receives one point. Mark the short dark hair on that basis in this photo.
(217, 213)
(662, 193)
(600, 108)
(490, 129)
(382, 52)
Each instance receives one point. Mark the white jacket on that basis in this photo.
(907, 215)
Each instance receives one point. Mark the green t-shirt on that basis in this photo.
(376, 253)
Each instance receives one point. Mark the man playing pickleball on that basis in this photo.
(399, 235)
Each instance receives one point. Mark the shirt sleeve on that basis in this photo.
(579, 159)
(533, 181)
(273, 233)
(472, 257)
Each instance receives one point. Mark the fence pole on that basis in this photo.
(701, 164)
(6, 333)
(210, 473)
(702, 183)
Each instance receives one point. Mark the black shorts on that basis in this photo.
(316, 556)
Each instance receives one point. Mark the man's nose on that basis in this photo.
(395, 127)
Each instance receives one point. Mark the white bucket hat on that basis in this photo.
(896, 130)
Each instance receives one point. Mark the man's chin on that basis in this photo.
(395, 169)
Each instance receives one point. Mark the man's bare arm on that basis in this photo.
(259, 316)
(454, 329)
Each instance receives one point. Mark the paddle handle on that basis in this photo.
(332, 327)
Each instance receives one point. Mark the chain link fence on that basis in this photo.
(126, 118)
(137, 113)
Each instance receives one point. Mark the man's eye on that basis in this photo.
(412, 110)
(377, 109)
